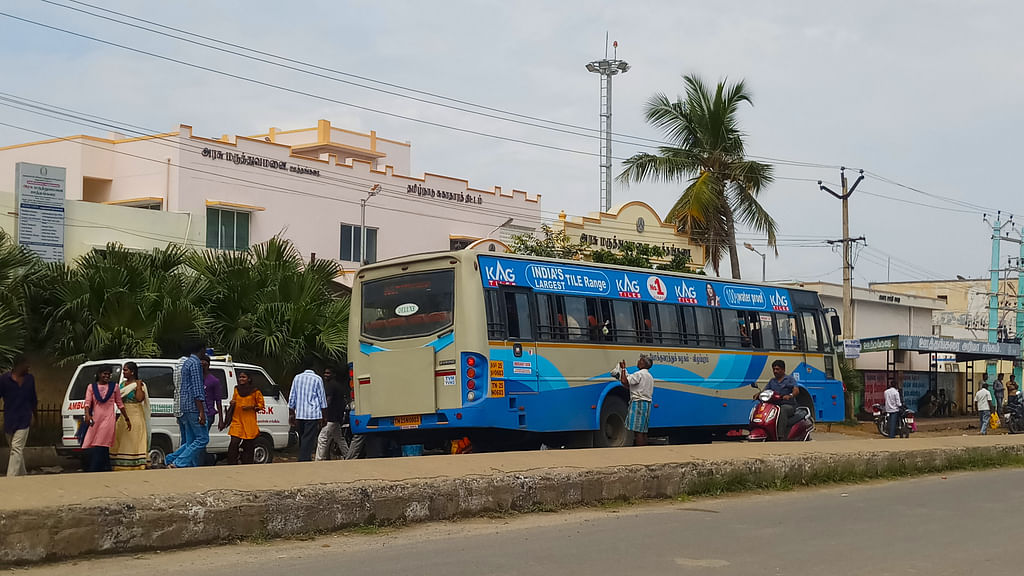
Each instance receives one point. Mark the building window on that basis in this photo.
(227, 229)
(351, 238)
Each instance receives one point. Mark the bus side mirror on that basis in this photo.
(837, 328)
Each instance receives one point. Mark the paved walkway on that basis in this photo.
(47, 491)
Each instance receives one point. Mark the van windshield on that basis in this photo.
(408, 306)
(159, 379)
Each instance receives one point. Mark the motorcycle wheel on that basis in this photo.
(1013, 425)
(881, 426)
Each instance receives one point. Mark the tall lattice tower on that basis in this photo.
(607, 68)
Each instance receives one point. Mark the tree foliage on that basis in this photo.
(19, 270)
(707, 152)
(551, 244)
(264, 305)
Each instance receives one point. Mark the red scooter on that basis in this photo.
(764, 420)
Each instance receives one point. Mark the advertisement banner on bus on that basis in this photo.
(576, 280)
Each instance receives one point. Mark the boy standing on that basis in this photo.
(641, 388)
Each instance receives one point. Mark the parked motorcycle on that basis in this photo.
(764, 420)
(881, 417)
(1013, 415)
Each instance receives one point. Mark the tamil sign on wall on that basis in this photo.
(40, 201)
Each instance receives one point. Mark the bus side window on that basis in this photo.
(607, 322)
(669, 331)
(576, 321)
(625, 321)
(764, 337)
(517, 310)
(706, 329)
(546, 327)
(650, 327)
(811, 334)
(736, 329)
(789, 338)
(495, 327)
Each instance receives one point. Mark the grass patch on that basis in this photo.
(617, 504)
(850, 472)
(366, 530)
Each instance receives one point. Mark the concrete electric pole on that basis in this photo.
(607, 68)
(847, 249)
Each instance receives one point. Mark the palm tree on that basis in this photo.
(708, 153)
(119, 303)
(271, 308)
(19, 270)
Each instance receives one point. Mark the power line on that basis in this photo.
(594, 131)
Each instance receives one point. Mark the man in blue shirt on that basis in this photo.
(307, 409)
(18, 391)
(786, 387)
(191, 407)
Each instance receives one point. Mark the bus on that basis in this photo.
(516, 350)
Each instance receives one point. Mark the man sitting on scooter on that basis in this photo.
(785, 386)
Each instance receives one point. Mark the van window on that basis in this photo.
(84, 377)
(263, 382)
(223, 377)
(159, 380)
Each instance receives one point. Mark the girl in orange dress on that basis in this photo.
(245, 403)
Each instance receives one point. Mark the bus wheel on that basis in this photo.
(612, 433)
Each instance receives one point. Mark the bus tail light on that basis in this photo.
(470, 361)
(471, 385)
(470, 372)
(471, 396)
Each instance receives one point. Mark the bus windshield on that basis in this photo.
(408, 306)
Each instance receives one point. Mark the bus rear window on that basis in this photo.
(408, 306)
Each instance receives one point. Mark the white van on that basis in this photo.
(158, 374)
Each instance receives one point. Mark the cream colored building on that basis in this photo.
(631, 222)
(234, 191)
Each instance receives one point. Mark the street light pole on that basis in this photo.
(750, 247)
(500, 226)
(373, 191)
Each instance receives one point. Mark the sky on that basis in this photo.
(924, 94)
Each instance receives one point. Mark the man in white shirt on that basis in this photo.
(983, 401)
(641, 390)
(893, 406)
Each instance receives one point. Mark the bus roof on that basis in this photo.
(463, 254)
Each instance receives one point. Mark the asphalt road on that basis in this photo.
(961, 525)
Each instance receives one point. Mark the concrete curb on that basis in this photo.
(160, 522)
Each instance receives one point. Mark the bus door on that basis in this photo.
(520, 359)
(811, 376)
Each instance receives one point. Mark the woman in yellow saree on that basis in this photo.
(131, 447)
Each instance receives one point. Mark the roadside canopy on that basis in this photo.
(965, 350)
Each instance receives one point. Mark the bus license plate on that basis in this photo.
(497, 388)
(406, 421)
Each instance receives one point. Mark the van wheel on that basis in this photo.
(160, 447)
(263, 453)
(612, 433)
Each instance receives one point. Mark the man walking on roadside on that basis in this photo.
(983, 402)
(337, 402)
(999, 391)
(18, 391)
(893, 408)
(307, 409)
(191, 411)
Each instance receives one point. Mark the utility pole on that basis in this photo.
(993, 292)
(847, 248)
(373, 191)
(607, 68)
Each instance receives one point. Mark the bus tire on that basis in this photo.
(612, 431)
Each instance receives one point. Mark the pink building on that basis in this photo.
(231, 192)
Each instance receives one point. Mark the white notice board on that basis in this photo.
(40, 199)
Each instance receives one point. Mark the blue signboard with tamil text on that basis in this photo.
(577, 280)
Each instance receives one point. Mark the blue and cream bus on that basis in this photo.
(503, 348)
